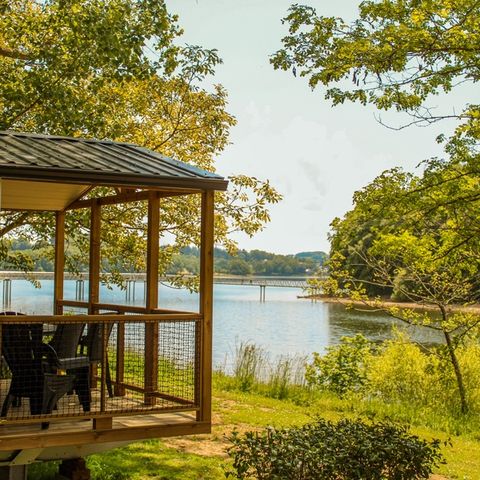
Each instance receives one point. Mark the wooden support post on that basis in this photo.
(94, 272)
(94, 297)
(102, 423)
(119, 389)
(103, 376)
(59, 263)
(206, 306)
(74, 469)
(16, 472)
(151, 298)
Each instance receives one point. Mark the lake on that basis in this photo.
(283, 324)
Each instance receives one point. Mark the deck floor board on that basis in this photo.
(142, 415)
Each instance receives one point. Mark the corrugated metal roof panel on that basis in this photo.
(24, 155)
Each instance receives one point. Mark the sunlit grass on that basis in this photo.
(235, 409)
(142, 461)
(247, 403)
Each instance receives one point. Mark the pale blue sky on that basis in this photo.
(315, 155)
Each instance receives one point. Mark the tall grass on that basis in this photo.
(286, 373)
(254, 371)
(247, 366)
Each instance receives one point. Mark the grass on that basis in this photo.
(152, 459)
(141, 461)
(203, 457)
(280, 399)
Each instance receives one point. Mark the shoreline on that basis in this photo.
(475, 309)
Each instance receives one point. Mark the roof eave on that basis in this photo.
(95, 177)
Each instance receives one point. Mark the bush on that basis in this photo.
(401, 372)
(347, 450)
(469, 359)
(343, 368)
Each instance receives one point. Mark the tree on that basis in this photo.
(415, 237)
(397, 53)
(417, 251)
(238, 266)
(356, 231)
(111, 69)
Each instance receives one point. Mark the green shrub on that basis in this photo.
(469, 359)
(401, 372)
(343, 368)
(468, 356)
(347, 450)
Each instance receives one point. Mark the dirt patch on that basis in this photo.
(203, 445)
(215, 443)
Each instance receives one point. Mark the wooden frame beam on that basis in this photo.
(47, 439)
(113, 318)
(204, 392)
(127, 198)
(59, 266)
(94, 263)
(151, 297)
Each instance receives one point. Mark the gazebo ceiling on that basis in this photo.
(27, 195)
(41, 172)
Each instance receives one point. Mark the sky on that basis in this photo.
(316, 156)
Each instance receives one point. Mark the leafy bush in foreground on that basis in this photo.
(323, 450)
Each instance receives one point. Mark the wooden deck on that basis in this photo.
(23, 441)
(69, 406)
(85, 424)
(73, 438)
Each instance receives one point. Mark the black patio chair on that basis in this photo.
(66, 339)
(33, 366)
(92, 342)
(78, 354)
(65, 342)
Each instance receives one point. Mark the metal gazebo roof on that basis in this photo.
(30, 162)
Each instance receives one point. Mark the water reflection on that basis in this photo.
(283, 324)
(375, 326)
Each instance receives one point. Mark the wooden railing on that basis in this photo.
(144, 375)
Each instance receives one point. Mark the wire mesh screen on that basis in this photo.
(83, 368)
(161, 378)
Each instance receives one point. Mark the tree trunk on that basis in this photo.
(458, 373)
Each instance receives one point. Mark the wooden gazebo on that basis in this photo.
(151, 376)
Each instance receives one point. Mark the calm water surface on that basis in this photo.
(282, 325)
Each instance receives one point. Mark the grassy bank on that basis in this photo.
(204, 457)
(404, 386)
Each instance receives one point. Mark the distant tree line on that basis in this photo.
(254, 262)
